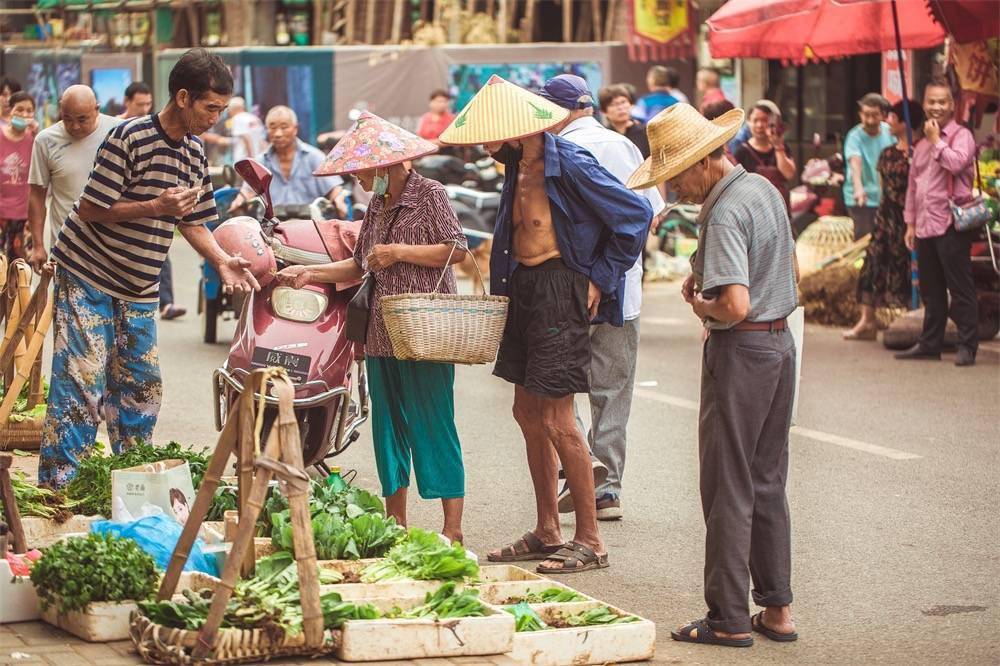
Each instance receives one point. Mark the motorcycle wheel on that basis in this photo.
(210, 320)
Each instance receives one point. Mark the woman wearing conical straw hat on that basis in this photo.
(567, 232)
(408, 234)
(742, 289)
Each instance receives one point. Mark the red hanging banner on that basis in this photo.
(660, 30)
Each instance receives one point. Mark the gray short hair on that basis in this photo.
(282, 110)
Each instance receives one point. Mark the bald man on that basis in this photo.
(247, 131)
(292, 161)
(61, 161)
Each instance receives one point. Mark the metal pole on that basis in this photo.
(914, 277)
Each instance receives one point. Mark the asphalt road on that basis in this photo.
(894, 489)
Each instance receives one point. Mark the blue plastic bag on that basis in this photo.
(158, 535)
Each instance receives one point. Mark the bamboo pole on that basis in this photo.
(10, 513)
(23, 368)
(22, 321)
(609, 20)
(351, 18)
(370, 21)
(501, 20)
(528, 22)
(246, 451)
(595, 11)
(567, 20)
(397, 21)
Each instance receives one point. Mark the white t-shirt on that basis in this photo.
(249, 125)
(63, 165)
(621, 158)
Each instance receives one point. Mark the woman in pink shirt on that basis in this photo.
(15, 159)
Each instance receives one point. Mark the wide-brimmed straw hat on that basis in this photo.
(371, 143)
(680, 137)
(501, 111)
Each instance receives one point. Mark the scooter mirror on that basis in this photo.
(258, 177)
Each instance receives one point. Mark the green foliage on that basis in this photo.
(422, 555)
(445, 603)
(33, 500)
(98, 567)
(598, 616)
(525, 618)
(552, 595)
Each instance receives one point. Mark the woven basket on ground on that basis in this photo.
(25, 435)
(157, 644)
(823, 238)
(446, 328)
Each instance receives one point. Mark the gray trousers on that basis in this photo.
(613, 353)
(747, 386)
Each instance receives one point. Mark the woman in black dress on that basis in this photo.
(885, 276)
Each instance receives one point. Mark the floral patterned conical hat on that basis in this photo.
(373, 142)
(502, 111)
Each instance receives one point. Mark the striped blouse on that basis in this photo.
(423, 216)
(136, 162)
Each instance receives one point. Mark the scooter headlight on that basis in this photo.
(298, 304)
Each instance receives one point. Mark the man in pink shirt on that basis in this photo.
(941, 170)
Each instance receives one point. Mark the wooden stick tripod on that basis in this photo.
(282, 457)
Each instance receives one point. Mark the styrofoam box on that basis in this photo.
(42, 532)
(18, 601)
(614, 643)
(379, 640)
(510, 592)
(502, 573)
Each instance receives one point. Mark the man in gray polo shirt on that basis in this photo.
(743, 288)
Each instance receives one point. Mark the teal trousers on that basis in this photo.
(413, 418)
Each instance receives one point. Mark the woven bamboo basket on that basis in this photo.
(25, 435)
(827, 236)
(446, 328)
(157, 644)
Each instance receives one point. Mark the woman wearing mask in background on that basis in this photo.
(765, 152)
(16, 140)
(406, 238)
(885, 275)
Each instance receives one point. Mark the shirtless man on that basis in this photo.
(566, 233)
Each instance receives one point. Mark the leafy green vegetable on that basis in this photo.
(269, 601)
(422, 555)
(98, 567)
(552, 595)
(91, 487)
(445, 603)
(597, 616)
(33, 500)
(337, 538)
(20, 411)
(226, 498)
(525, 618)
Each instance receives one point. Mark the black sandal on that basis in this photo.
(528, 547)
(757, 623)
(575, 557)
(707, 636)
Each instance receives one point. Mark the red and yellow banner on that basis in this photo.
(660, 29)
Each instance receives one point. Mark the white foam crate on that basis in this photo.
(18, 601)
(614, 643)
(385, 639)
(511, 592)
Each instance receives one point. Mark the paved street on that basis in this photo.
(893, 486)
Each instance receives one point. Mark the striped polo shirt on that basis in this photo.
(136, 162)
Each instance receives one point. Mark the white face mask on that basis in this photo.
(380, 184)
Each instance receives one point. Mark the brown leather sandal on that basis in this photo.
(528, 547)
(575, 557)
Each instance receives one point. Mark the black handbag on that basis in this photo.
(359, 309)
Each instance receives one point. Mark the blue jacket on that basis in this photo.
(601, 226)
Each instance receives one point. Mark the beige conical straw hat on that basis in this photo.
(501, 111)
(679, 137)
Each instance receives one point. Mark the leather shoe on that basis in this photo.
(965, 357)
(918, 352)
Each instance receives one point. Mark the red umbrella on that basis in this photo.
(801, 30)
(967, 20)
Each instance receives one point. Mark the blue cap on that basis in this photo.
(568, 91)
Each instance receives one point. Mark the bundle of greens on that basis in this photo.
(32, 500)
(595, 616)
(98, 567)
(552, 595)
(20, 412)
(269, 602)
(336, 538)
(225, 499)
(91, 487)
(422, 555)
(525, 618)
(445, 604)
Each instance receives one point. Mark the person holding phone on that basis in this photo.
(765, 152)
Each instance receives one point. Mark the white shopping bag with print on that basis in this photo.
(797, 326)
(161, 486)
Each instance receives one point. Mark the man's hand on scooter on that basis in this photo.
(235, 276)
(295, 277)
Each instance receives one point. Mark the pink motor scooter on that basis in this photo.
(301, 330)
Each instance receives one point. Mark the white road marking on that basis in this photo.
(667, 321)
(817, 435)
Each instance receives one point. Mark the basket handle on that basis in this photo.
(447, 264)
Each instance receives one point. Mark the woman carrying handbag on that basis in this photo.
(408, 235)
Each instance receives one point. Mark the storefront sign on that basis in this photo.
(976, 66)
(892, 84)
(660, 20)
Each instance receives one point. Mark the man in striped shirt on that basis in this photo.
(150, 177)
